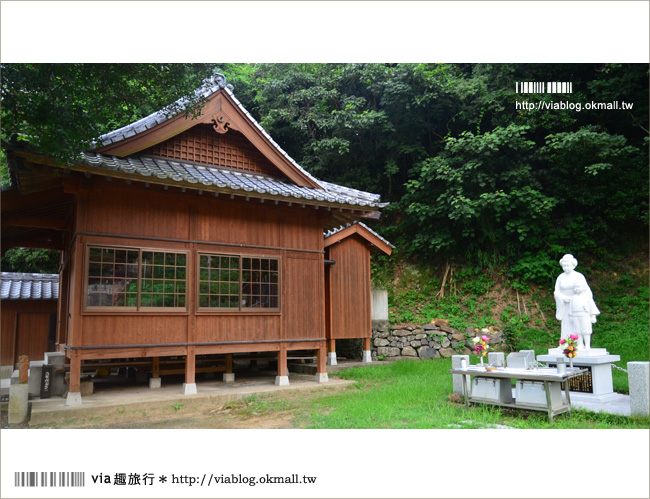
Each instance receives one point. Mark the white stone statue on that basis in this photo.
(576, 308)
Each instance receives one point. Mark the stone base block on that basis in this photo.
(228, 377)
(592, 352)
(639, 381)
(73, 398)
(18, 403)
(155, 383)
(281, 380)
(321, 378)
(367, 356)
(87, 387)
(6, 371)
(331, 359)
(55, 359)
(189, 389)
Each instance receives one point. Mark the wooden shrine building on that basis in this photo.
(194, 239)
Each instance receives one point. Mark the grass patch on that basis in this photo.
(416, 395)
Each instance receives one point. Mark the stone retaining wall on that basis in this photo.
(427, 341)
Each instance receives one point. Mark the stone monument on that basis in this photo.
(577, 312)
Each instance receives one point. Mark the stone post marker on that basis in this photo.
(638, 377)
(19, 393)
(456, 361)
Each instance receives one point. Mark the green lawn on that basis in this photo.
(415, 394)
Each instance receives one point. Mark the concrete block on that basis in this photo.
(639, 382)
(281, 380)
(14, 377)
(6, 371)
(331, 359)
(367, 357)
(456, 363)
(155, 383)
(189, 389)
(18, 403)
(228, 377)
(35, 373)
(321, 378)
(497, 359)
(55, 359)
(73, 398)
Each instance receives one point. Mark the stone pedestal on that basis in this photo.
(597, 385)
(367, 356)
(189, 389)
(54, 359)
(281, 380)
(321, 378)
(18, 403)
(331, 359)
(155, 383)
(228, 377)
(73, 398)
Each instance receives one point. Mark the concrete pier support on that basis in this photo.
(189, 389)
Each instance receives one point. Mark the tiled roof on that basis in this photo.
(29, 286)
(213, 178)
(209, 87)
(342, 227)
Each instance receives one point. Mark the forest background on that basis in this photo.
(487, 191)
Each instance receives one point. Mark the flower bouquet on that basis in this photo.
(570, 347)
(481, 346)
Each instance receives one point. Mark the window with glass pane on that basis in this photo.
(163, 279)
(260, 279)
(131, 278)
(219, 281)
(235, 283)
(112, 278)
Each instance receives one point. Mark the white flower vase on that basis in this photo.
(571, 362)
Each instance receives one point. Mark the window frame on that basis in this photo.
(138, 307)
(240, 309)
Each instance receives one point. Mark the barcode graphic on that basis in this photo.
(49, 479)
(544, 87)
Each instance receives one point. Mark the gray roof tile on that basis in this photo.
(18, 286)
(342, 227)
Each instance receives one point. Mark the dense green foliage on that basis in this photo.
(470, 173)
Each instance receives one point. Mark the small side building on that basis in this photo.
(347, 284)
(29, 312)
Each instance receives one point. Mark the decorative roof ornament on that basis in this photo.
(218, 80)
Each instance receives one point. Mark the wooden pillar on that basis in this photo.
(321, 364)
(283, 374)
(366, 343)
(189, 387)
(75, 372)
(228, 376)
(331, 345)
(156, 367)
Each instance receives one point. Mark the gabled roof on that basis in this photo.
(222, 110)
(362, 230)
(17, 286)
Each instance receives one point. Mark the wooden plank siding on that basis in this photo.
(26, 328)
(349, 289)
(119, 215)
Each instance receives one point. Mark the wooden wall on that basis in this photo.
(349, 289)
(116, 214)
(26, 328)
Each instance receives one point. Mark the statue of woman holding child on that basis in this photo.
(575, 304)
